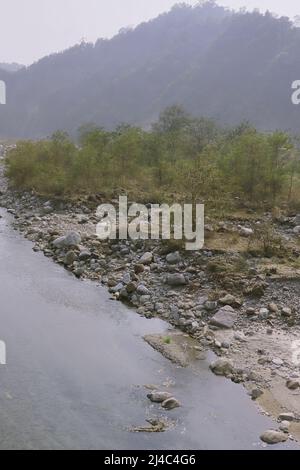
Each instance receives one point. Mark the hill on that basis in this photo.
(215, 63)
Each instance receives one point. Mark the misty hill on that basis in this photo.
(14, 67)
(215, 63)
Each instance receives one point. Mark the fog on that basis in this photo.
(33, 28)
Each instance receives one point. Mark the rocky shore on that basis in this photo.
(227, 297)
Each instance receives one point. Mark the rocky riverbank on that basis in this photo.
(228, 297)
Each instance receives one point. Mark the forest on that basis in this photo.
(180, 158)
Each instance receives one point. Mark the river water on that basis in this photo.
(77, 363)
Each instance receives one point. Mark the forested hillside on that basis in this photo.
(218, 64)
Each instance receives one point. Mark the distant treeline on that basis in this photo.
(189, 158)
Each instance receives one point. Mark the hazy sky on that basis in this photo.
(30, 29)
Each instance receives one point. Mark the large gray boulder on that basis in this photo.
(176, 280)
(69, 240)
(224, 318)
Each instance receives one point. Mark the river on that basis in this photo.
(77, 363)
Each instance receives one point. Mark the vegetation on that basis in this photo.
(214, 62)
(182, 158)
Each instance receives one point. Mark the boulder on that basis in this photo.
(224, 318)
(231, 300)
(293, 384)
(286, 417)
(159, 397)
(245, 231)
(285, 426)
(147, 258)
(84, 255)
(176, 279)
(131, 287)
(286, 312)
(273, 307)
(139, 268)
(273, 437)
(173, 258)
(222, 367)
(142, 290)
(210, 305)
(71, 239)
(171, 404)
(70, 258)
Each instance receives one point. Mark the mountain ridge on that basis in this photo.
(214, 62)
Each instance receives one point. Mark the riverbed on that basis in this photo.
(77, 365)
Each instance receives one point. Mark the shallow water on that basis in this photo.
(77, 363)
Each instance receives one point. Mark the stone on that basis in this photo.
(250, 311)
(171, 404)
(263, 313)
(293, 384)
(117, 288)
(159, 397)
(224, 318)
(286, 417)
(286, 312)
(147, 258)
(71, 239)
(123, 294)
(256, 289)
(139, 268)
(210, 306)
(142, 290)
(273, 307)
(176, 279)
(173, 258)
(126, 278)
(70, 258)
(125, 251)
(239, 336)
(285, 426)
(256, 393)
(84, 255)
(131, 287)
(273, 437)
(230, 300)
(79, 272)
(277, 361)
(222, 367)
(246, 232)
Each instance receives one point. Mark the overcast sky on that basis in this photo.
(30, 29)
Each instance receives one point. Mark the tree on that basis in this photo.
(279, 146)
